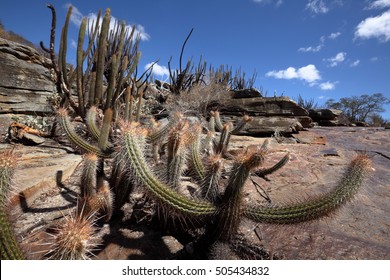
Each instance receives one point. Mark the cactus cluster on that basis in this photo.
(124, 151)
(215, 206)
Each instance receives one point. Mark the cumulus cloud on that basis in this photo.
(317, 7)
(334, 35)
(327, 85)
(375, 27)
(158, 70)
(334, 61)
(380, 4)
(76, 18)
(308, 73)
(355, 63)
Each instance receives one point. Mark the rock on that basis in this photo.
(324, 114)
(362, 124)
(261, 126)
(32, 139)
(269, 115)
(25, 81)
(39, 168)
(259, 106)
(246, 93)
(326, 117)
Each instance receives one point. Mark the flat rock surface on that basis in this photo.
(318, 158)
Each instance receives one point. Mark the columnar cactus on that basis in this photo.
(9, 246)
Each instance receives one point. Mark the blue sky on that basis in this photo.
(319, 49)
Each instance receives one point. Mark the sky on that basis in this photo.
(319, 49)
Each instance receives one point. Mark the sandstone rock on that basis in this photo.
(259, 106)
(246, 93)
(38, 169)
(260, 126)
(25, 81)
(326, 117)
(269, 115)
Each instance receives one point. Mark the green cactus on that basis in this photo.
(9, 246)
(64, 121)
(320, 206)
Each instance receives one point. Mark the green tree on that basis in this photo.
(359, 108)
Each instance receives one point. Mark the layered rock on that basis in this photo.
(269, 114)
(25, 82)
(326, 117)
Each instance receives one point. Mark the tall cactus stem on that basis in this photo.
(79, 69)
(88, 176)
(102, 47)
(104, 144)
(90, 120)
(230, 213)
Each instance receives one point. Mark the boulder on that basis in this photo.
(326, 117)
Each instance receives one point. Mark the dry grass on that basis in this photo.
(196, 100)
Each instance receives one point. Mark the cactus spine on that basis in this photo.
(74, 238)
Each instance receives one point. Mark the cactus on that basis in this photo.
(320, 206)
(74, 238)
(10, 248)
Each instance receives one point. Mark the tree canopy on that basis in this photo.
(359, 108)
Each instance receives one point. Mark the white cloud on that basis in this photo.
(334, 61)
(334, 35)
(355, 63)
(76, 18)
(311, 49)
(374, 58)
(277, 2)
(375, 27)
(317, 6)
(379, 4)
(323, 38)
(158, 70)
(73, 43)
(307, 73)
(327, 85)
